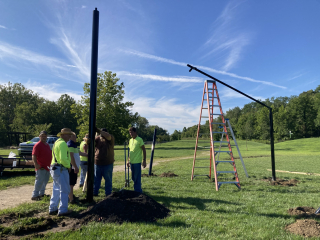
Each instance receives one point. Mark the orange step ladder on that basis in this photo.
(211, 101)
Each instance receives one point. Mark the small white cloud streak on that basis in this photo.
(1, 26)
(166, 113)
(300, 75)
(163, 78)
(165, 60)
(50, 91)
(225, 40)
(83, 6)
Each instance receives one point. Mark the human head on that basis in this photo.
(73, 137)
(65, 134)
(133, 132)
(43, 136)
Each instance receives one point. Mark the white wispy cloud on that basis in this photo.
(83, 6)
(51, 92)
(227, 40)
(151, 77)
(1, 26)
(297, 76)
(165, 112)
(183, 64)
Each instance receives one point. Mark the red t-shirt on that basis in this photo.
(43, 154)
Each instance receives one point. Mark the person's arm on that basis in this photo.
(34, 159)
(106, 135)
(85, 149)
(144, 162)
(73, 163)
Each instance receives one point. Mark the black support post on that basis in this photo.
(93, 104)
(152, 151)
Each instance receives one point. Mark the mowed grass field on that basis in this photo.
(198, 211)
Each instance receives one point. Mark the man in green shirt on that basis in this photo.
(136, 146)
(60, 167)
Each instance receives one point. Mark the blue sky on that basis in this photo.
(263, 48)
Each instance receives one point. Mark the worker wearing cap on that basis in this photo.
(60, 167)
(41, 157)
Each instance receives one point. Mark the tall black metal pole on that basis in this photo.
(93, 103)
(273, 165)
(152, 151)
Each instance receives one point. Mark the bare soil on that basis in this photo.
(304, 227)
(119, 207)
(168, 174)
(281, 182)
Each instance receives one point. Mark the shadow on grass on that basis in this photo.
(199, 203)
(17, 173)
(271, 215)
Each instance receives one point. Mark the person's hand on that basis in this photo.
(76, 169)
(144, 163)
(37, 166)
(128, 164)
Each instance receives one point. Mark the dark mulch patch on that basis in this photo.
(303, 212)
(282, 182)
(168, 174)
(147, 175)
(305, 228)
(125, 206)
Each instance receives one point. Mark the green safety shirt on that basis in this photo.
(135, 150)
(83, 158)
(61, 151)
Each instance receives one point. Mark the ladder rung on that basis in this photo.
(204, 117)
(214, 105)
(220, 141)
(216, 114)
(213, 97)
(224, 161)
(228, 182)
(200, 175)
(219, 132)
(223, 151)
(226, 171)
(201, 167)
(204, 108)
(219, 123)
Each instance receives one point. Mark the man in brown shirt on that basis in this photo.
(103, 161)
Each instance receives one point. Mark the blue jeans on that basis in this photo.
(104, 171)
(84, 169)
(136, 176)
(42, 178)
(61, 189)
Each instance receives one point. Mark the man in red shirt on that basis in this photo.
(41, 157)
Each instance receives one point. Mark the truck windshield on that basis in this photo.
(36, 139)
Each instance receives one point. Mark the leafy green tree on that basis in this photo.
(112, 112)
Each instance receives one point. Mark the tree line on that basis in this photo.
(293, 117)
(23, 110)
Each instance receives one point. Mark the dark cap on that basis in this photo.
(104, 129)
(43, 132)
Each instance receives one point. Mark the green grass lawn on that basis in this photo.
(198, 211)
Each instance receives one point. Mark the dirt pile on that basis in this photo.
(282, 182)
(125, 206)
(305, 228)
(168, 174)
(303, 212)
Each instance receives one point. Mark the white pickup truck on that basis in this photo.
(26, 148)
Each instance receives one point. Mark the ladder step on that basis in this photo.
(219, 132)
(224, 161)
(201, 167)
(201, 175)
(214, 105)
(220, 142)
(216, 114)
(226, 171)
(219, 123)
(213, 97)
(223, 151)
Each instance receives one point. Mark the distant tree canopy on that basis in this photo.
(298, 114)
(22, 110)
